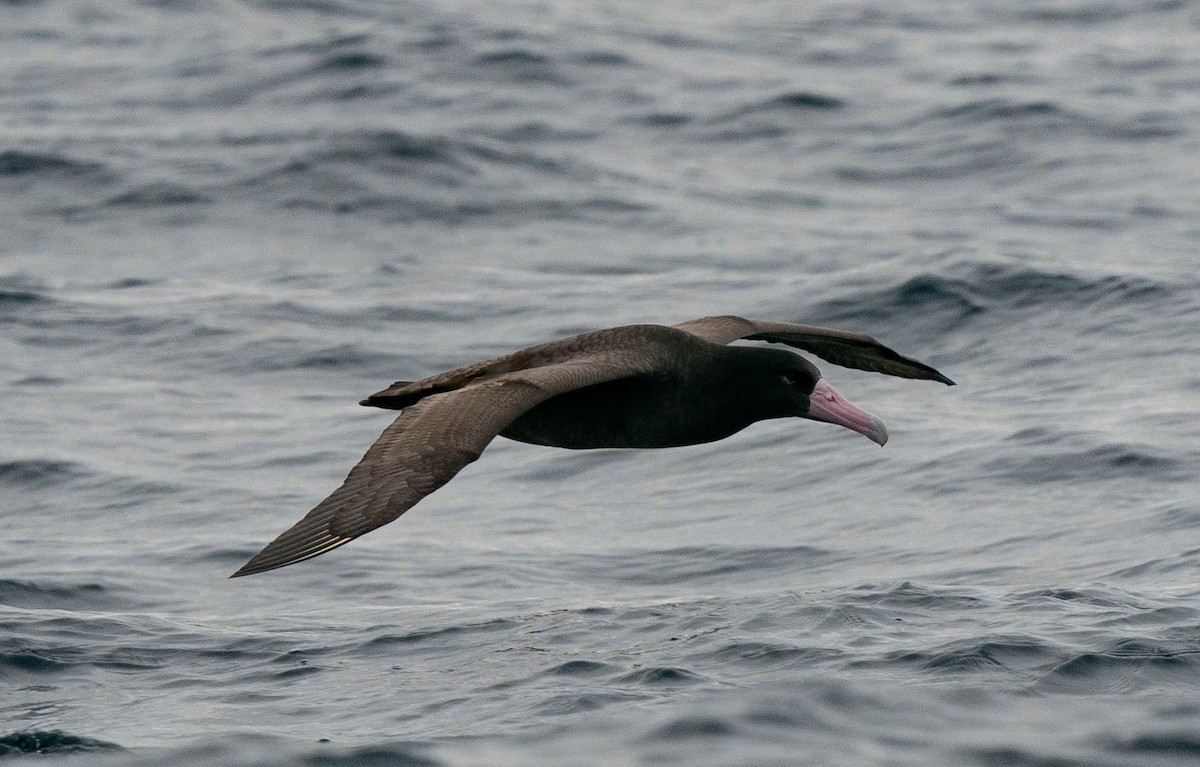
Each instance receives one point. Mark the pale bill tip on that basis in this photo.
(878, 433)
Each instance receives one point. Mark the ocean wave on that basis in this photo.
(975, 289)
(1121, 665)
(433, 636)
(30, 166)
(285, 353)
(46, 641)
(1047, 115)
(241, 749)
(1112, 461)
(762, 118)
(1092, 596)
(574, 668)
(30, 661)
(1002, 137)
(704, 564)
(1093, 13)
(1184, 561)
(521, 65)
(60, 595)
(406, 176)
(349, 61)
(1176, 516)
(158, 194)
(1012, 654)
(796, 101)
(770, 655)
(657, 676)
(687, 728)
(571, 703)
(396, 152)
(909, 595)
(54, 183)
(603, 58)
(18, 292)
(11, 298)
(81, 325)
(1162, 741)
(51, 742)
(41, 473)
(1000, 109)
(938, 159)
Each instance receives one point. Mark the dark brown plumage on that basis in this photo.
(637, 386)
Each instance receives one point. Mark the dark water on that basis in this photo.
(225, 222)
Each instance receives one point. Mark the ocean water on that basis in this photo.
(225, 222)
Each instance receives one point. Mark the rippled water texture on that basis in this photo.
(226, 222)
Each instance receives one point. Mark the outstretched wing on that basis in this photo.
(841, 347)
(626, 341)
(425, 447)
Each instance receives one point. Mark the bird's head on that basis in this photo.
(797, 389)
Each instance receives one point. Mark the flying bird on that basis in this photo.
(635, 386)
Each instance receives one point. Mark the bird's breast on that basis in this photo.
(628, 413)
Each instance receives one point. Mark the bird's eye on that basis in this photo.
(799, 380)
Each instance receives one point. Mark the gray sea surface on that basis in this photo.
(224, 222)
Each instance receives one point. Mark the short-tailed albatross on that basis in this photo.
(636, 386)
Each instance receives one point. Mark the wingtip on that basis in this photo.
(933, 374)
(287, 550)
(245, 570)
(260, 564)
(253, 568)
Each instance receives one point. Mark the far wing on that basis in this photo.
(424, 448)
(841, 347)
(632, 342)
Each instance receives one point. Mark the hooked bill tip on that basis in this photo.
(878, 433)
